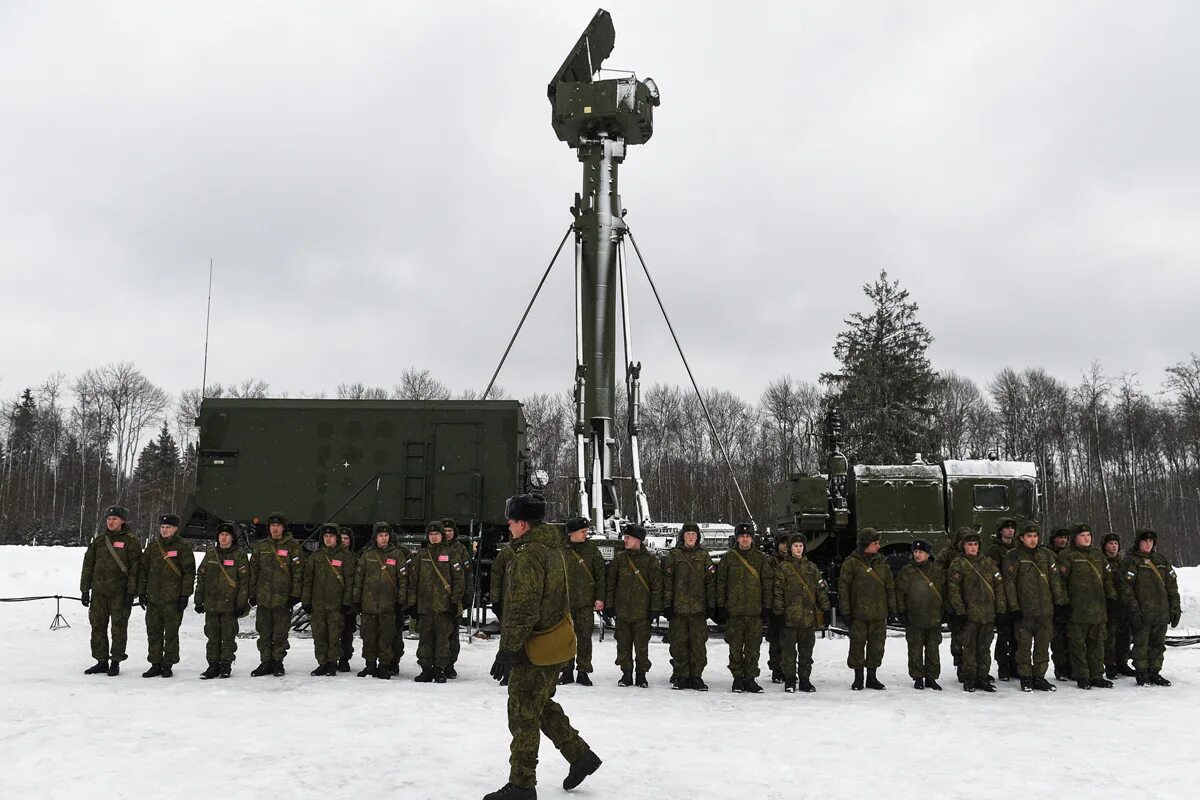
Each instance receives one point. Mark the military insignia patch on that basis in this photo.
(228, 562)
(391, 562)
(281, 552)
(172, 553)
(337, 562)
(119, 545)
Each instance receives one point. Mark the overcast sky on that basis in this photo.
(379, 186)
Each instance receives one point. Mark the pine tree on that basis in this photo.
(884, 386)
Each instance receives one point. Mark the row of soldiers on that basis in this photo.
(381, 585)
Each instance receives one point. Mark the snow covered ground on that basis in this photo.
(67, 735)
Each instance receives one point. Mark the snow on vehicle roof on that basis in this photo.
(990, 469)
(898, 471)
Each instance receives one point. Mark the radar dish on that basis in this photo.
(594, 45)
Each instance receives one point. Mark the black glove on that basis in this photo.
(847, 620)
(1112, 609)
(347, 608)
(1062, 614)
(711, 613)
(141, 601)
(356, 608)
(669, 613)
(253, 601)
(496, 609)
(199, 608)
(608, 617)
(1135, 620)
(766, 616)
(722, 616)
(293, 602)
(961, 619)
(901, 619)
(307, 608)
(85, 598)
(505, 660)
(127, 599)
(243, 611)
(181, 604)
(1175, 617)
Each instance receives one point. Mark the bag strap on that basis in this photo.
(113, 552)
(812, 596)
(174, 567)
(1157, 574)
(638, 573)
(746, 564)
(383, 567)
(582, 563)
(986, 585)
(224, 574)
(1099, 577)
(441, 577)
(334, 570)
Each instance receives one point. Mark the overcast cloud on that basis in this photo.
(379, 186)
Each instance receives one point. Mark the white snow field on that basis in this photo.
(64, 734)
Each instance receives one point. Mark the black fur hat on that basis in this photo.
(1110, 537)
(169, 519)
(117, 511)
(577, 523)
(743, 529)
(1146, 533)
(525, 508)
(227, 527)
(636, 531)
(689, 526)
(921, 544)
(276, 516)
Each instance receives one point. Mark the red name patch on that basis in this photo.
(336, 562)
(443, 558)
(172, 553)
(281, 552)
(119, 545)
(228, 562)
(391, 562)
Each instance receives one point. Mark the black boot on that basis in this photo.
(277, 669)
(567, 676)
(805, 685)
(640, 680)
(211, 672)
(581, 767)
(1083, 683)
(858, 680)
(699, 685)
(1143, 679)
(226, 669)
(439, 675)
(1002, 672)
(1101, 683)
(114, 668)
(986, 686)
(1043, 685)
(626, 678)
(583, 679)
(510, 792)
(777, 676)
(99, 668)
(1126, 671)
(425, 675)
(394, 668)
(368, 670)
(262, 669)
(154, 671)
(383, 673)
(919, 683)
(343, 665)
(789, 686)
(968, 685)
(752, 686)
(872, 681)
(739, 685)
(1026, 684)
(1110, 673)
(1061, 675)
(166, 672)
(930, 683)
(1156, 679)
(451, 673)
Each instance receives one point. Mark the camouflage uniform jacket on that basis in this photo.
(377, 580)
(497, 575)
(586, 572)
(976, 588)
(535, 591)
(223, 581)
(100, 571)
(866, 589)
(744, 582)
(997, 550)
(799, 593)
(951, 551)
(1089, 584)
(435, 581)
(921, 593)
(1031, 582)
(634, 585)
(1149, 585)
(276, 571)
(460, 554)
(168, 570)
(689, 581)
(328, 582)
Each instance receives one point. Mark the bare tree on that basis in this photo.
(360, 391)
(419, 384)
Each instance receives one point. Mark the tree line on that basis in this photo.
(1108, 451)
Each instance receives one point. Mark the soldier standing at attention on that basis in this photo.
(535, 600)
(1060, 652)
(165, 582)
(944, 556)
(1000, 546)
(349, 617)
(744, 597)
(461, 555)
(1032, 591)
(376, 595)
(1150, 592)
(634, 595)
(222, 596)
(110, 569)
(404, 557)
(275, 576)
(866, 596)
(976, 593)
(435, 587)
(1089, 584)
(800, 599)
(689, 592)
(920, 599)
(1118, 639)
(586, 576)
(326, 592)
(775, 621)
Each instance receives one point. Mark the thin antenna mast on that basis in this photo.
(207, 319)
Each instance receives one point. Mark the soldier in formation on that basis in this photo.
(1060, 653)
(944, 557)
(744, 597)
(349, 617)
(1088, 581)
(435, 590)
(107, 586)
(378, 590)
(165, 583)
(276, 572)
(634, 596)
(1150, 596)
(586, 580)
(800, 599)
(461, 555)
(998, 548)
(222, 596)
(689, 599)
(866, 597)
(326, 594)
(1117, 640)
(774, 631)
(921, 603)
(535, 599)
(1033, 592)
(974, 587)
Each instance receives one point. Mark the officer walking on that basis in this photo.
(1033, 592)
(1089, 583)
(165, 582)
(1150, 592)
(376, 596)
(634, 596)
(800, 599)
(110, 571)
(276, 572)
(435, 588)
(689, 597)
(535, 600)
(866, 596)
(744, 597)
(920, 600)
(222, 596)
(587, 578)
(326, 593)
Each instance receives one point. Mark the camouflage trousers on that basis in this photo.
(689, 640)
(327, 635)
(633, 637)
(976, 649)
(378, 634)
(924, 651)
(795, 652)
(1033, 646)
(867, 638)
(436, 631)
(349, 625)
(221, 629)
(1149, 645)
(272, 625)
(585, 625)
(1060, 649)
(1086, 641)
(162, 633)
(1006, 644)
(955, 641)
(532, 711)
(1118, 642)
(106, 610)
(774, 642)
(743, 634)
(398, 639)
